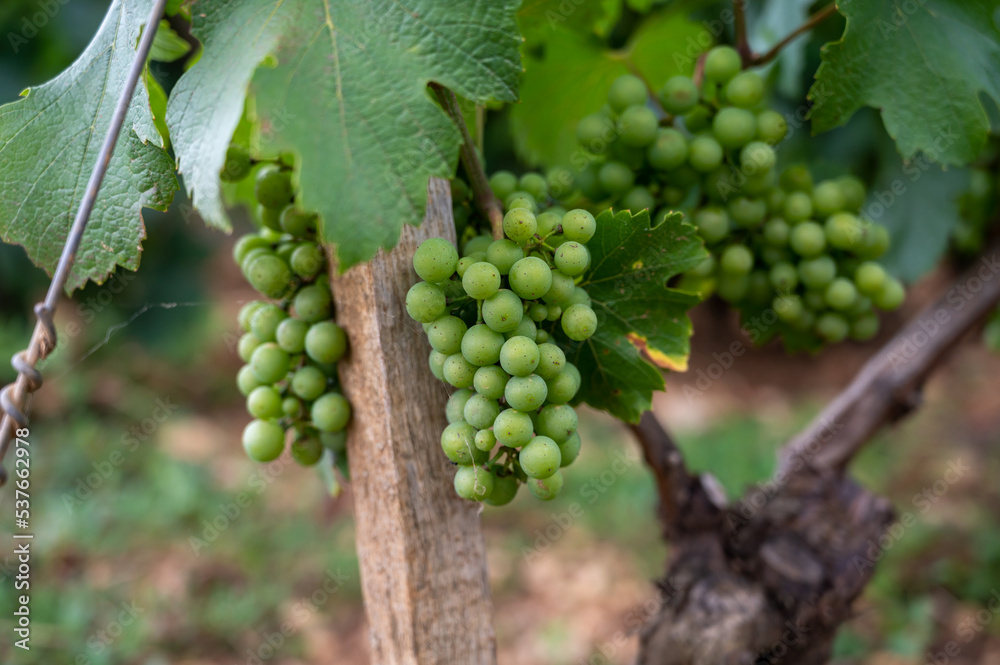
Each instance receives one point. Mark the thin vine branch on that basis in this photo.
(814, 20)
(740, 27)
(488, 203)
(889, 385)
(667, 463)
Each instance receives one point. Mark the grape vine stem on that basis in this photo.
(667, 463)
(755, 60)
(487, 202)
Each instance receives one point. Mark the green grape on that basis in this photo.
(526, 328)
(547, 222)
(504, 254)
(531, 278)
(535, 184)
(679, 95)
(435, 360)
(797, 179)
(246, 380)
(284, 251)
(458, 440)
(247, 243)
(579, 322)
(862, 305)
(335, 441)
(481, 346)
(638, 198)
(745, 90)
(788, 307)
(852, 190)
(291, 407)
(435, 260)
(312, 303)
(616, 178)
(719, 185)
(454, 410)
(784, 276)
(776, 201)
(490, 381)
(746, 212)
(504, 490)
(519, 356)
(503, 184)
(807, 239)
(237, 165)
(521, 199)
(758, 154)
(473, 483)
(458, 371)
(627, 90)
(760, 291)
(513, 428)
(733, 288)
(540, 458)
(460, 192)
(554, 313)
(551, 361)
(520, 225)
(832, 327)
(775, 232)
(579, 225)
(564, 386)
(269, 363)
(771, 127)
(478, 244)
(264, 403)
(734, 127)
(594, 132)
(669, 150)
(308, 383)
(864, 327)
(705, 154)
(817, 273)
(869, 278)
(637, 126)
(704, 269)
(569, 449)
(806, 320)
(736, 260)
(588, 182)
(525, 393)
(486, 440)
(307, 451)
(503, 311)
(326, 342)
(330, 412)
(841, 293)
(772, 255)
(712, 223)
(798, 207)
(546, 489)
(263, 440)
(843, 230)
(698, 118)
(827, 198)
(538, 312)
(579, 297)
(875, 242)
(891, 295)
(480, 412)
(246, 346)
(572, 258)
(445, 334)
(270, 218)
(722, 63)
(464, 264)
(557, 421)
(291, 335)
(269, 275)
(815, 300)
(253, 254)
(481, 280)
(296, 222)
(307, 260)
(425, 302)
(760, 184)
(273, 186)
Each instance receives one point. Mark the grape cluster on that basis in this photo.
(492, 317)
(776, 241)
(291, 343)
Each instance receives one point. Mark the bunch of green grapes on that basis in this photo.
(291, 344)
(776, 241)
(493, 316)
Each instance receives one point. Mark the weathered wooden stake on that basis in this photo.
(421, 549)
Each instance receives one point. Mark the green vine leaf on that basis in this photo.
(924, 64)
(344, 88)
(643, 326)
(49, 142)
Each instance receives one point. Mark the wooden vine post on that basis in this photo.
(420, 547)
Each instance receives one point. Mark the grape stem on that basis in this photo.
(667, 463)
(740, 28)
(755, 60)
(487, 202)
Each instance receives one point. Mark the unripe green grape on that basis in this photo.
(841, 293)
(503, 311)
(252, 256)
(326, 342)
(513, 428)
(555, 311)
(458, 371)
(557, 421)
(875, 241)
(745, 90)
(869, 278)
(490, 381)
(526, 328)
(464, 264)
(291, 335)
(736, 260)
(530, 277)
(535, 184)
(891, 295)
(798, 207)
(732, 288)
(335, 441)
(734, 127)
(861, 306)
(579, 322)
(806, 320)
(759, 184)
(521, 200)
(771, 127)
(460, 192)
(540, 458)
(480, 411)
(481, 280)
(775, 232)
(445, 334)
(425, 302)
(679, 95)
(817, 273)
(246, 346)
(626, 91)
(504, 490)
(312, 303)
(698, 118)
(503, 184)
(519, 356)
(525, 393)
(572, 258)
(832, 327)
(435, 360)
(264, 403)
(827, 198)
(296, 222)
(541, 337)
(308, 383)
(454, 409)
(852, 190)
(504, 254)
(864, 327)
(551, 361)
(579, 225)
(771, 255)
(843, 230)
(759, 155)
(636, 199)
(815, 300)
(705, 154)
(520, 225)
(486, 440)
(435, 260)
(637, 126)
(458, 441)
(269, 275)
(537, 312)
(291, 407)
(569, 449)
(746, 212)
(595, 132)
(473, 483)
(796, 179)
(564, 386)
(712, 223)
(330, 412)
(478, 244)
(722, 63)
(616, 178)
(547, 222)
(669, 150)
(784, 277)
(307, 260)
(481, 345)
(246, 380)
(787, 307)
(776, 201)
(807, 239)
(263, 440)
(579, 297)
(284, 251)
(273, 186)
(269, 363)
(307, 450)
(270, 219)
(759, 291)
(246, 243)
(237, 165)
(546, 489)
(704, 269)
(589, 184)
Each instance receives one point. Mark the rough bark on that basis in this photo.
(420, 548)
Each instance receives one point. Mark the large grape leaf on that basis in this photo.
(642, 325)
(49, 142)
(924, 64)
(345, 89)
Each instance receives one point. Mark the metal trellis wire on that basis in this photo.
(14, 399)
